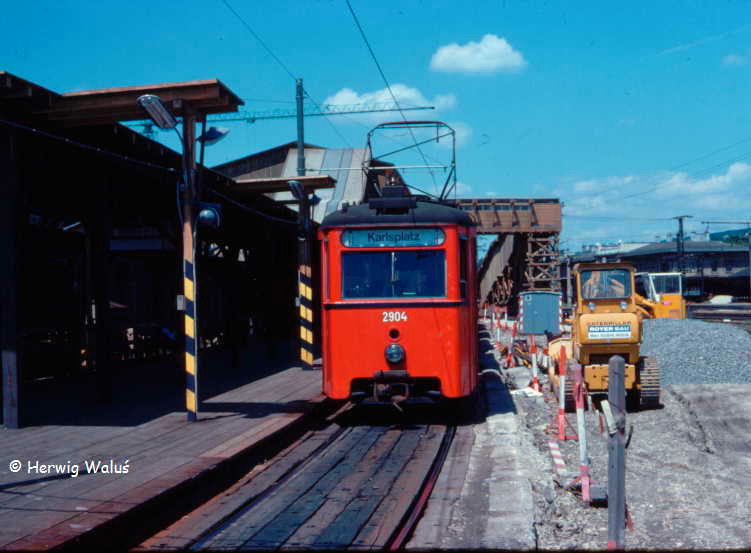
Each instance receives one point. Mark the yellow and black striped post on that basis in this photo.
(304, 275)
(190, 288)
(305, 291)
(191, 342)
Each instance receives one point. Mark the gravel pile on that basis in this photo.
(697, 352)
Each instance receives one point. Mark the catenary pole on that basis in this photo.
(304, 271)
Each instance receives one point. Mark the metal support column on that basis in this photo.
(190, 282)
(569, 291)
(12, 212)
(304, 270)
(615, 413)
(98, 226)
(680, 243)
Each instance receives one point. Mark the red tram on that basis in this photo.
(399, 300)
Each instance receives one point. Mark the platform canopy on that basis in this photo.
(281, 184)
(110, 105)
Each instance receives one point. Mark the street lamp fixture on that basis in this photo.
(157, 111)
(212, 136)
(297, 190)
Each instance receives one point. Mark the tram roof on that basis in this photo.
(426, 212)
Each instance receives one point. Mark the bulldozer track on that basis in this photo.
(650, 384)
(568, 390)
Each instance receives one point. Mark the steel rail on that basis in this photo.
(293, 471)
(736, 314)
(405, 528)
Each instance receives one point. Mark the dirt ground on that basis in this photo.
(687, 468)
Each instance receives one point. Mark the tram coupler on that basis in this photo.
(390, 376)
(391, 386)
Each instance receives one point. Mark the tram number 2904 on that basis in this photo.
(394, 316)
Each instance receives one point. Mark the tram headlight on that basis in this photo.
(394, 353)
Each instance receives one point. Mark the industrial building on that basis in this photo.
(91, 236)
(710, 267)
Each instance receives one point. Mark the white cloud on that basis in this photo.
(696, 190)
(606, 209)
(490, 55)
(599, 184)
(463, 132)
(444, 101)
(406, 96)
(735, 59)
(463, 190)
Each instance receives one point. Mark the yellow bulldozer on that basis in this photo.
(608, 321)
(661, 295)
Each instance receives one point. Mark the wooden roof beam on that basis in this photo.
(90, 107)
(281, 184)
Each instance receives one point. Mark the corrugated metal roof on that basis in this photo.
(350, 180)
(690, 246)
(736, 233)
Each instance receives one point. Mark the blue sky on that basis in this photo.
(630, 113)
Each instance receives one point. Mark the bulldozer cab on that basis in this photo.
(664, 292)
(602, 287)
(657, 284)
(605, 283)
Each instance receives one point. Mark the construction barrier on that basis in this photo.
(510, 357)
(579, 392)
(533, 355)
(561, 418)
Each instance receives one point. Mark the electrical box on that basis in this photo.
(540, 312)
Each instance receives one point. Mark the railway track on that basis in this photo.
(361, 482)
(734, 313)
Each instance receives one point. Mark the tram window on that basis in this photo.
(394, 274)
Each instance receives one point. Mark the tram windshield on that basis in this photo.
(394, 274)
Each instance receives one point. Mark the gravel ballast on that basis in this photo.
(697, 352)
(688, 461)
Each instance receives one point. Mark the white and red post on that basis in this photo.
(579, 393)
(561, 418)
(510, 356)
(533, 359)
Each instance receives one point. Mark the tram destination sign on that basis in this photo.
(392, 237)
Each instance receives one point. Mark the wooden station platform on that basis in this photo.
(40, 510)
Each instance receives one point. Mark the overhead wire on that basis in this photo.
(281, 64)
(700, 172)
(388, 86)
(83, 146)
(607, 218)
(327, 119)
(693, 173)
(353, 119)
(258, 38)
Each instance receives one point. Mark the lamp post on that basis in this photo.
(208, 138)
(165, 120)
(304, 270)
